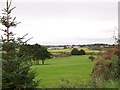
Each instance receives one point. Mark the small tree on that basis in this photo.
(15, 72)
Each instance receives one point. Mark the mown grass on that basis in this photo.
(74, 67)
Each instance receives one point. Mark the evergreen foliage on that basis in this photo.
(15, 72)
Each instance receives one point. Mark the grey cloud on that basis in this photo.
(100, 10)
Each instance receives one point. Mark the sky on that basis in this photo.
(66, 22)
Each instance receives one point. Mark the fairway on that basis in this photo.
(75, 68)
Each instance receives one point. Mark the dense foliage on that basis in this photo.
(75, 51)
(107, 65)
(35, 53)
(91, 57)
(15, 72)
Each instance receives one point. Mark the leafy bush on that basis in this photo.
(106, 68)
(91, 57)
(95, 83)
(75, 51)
(67, 83)
(81, 52)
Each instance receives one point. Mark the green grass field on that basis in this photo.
(69, 50)
(75, 68)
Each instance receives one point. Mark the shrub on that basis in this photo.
(67, 83)
(91, 57)
(81, 52)
(106, 68)
(75, 51)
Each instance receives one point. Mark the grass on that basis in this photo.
(60, 52)
(74, 67)
(69, 50)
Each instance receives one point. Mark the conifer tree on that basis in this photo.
(15, 72)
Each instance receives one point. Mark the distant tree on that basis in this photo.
(15, 72)
(44, 54)
(65, 47)
(81, 52)
(34, 53)
(75, 51)
(40, 53)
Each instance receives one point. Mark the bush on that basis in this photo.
(67, 83)
(81, 52)
(95, 83)
(91, 57)
(106, 68)
(75, 51)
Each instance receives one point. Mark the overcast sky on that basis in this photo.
(66, 21)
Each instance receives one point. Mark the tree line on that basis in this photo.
(35, 53)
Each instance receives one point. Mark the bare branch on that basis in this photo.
(25, 35)
(28, 39)
(18, 23)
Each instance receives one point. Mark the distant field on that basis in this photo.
(69, 50)
(75, 68)
(57, 52)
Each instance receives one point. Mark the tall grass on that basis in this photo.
(92, 83)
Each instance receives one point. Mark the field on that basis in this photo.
(75, 68)
(69, 50)
(61, 52)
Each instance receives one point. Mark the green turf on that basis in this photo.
(75, 68)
